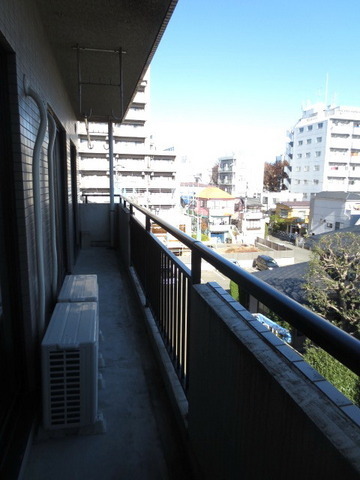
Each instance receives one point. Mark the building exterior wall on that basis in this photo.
(23, 34)
(333, 211)
(142, 173)
(237, 177)
(26, 51)
(324, 151)
(270, 199)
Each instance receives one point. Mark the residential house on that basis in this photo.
(251, 220)
(333, 211)
(296, 215)
(270, 199)
(215, 208)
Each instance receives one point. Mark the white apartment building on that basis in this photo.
(240, 178)
(324, 151)
(141, 172)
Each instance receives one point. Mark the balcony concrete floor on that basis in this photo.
(141, 440)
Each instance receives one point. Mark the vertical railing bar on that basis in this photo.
(179, 340)
(195, 267)
(161, 312)
(176, 315)
(186, 337)
(173, 314)
(167, 300)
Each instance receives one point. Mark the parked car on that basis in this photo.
(264, 262)
(236, 262)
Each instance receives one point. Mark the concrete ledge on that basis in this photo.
(172, 383)
(254, 406)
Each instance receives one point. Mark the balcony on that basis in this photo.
(342, 129)
(218, 228)
(94, 164)
(238, 398)
(141, 438)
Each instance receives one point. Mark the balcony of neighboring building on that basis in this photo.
(337, 169)
(94, 182)
(354, 183)
(355, 157)
(130, 147)
(288, 170)
(94, 164)
(94, 129)
(252, 215)
(341, 128)
(137, 113)
(188, 370)
(219, 227)
(131, 129)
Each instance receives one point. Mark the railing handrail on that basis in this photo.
(335, 341)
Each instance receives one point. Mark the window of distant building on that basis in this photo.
(308, 141)
(318, 139)
(317, 154)
(306, 182)
(308, 154)
(298, 169)
(299, 155)
(297, 182)
(316, 168)
(301, 129)
(320, 125)
(306, 168)
(310, 127)
(253, 224)
(300, 142)
(316, 181)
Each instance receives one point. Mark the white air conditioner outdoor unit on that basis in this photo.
(79, 288)
(69, 356)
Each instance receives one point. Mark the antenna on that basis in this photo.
(326, 90)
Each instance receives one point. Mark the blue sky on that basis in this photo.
(226, 71)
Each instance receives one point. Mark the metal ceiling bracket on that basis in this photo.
(81, 83)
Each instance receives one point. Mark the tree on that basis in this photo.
(215, 174)
(333, 280)
(274, 175)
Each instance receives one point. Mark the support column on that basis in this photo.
(111, 177)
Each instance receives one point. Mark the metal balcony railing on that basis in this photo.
(166, 282)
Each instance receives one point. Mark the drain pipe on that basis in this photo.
(39, 243)
(111, 177)
(54, 256)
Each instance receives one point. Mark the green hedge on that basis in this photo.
(335, 372)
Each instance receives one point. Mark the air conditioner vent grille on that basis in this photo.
(65, 400)
(70, 366)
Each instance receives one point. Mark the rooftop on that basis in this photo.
(214, 193)
(338, 195)
(288, 280)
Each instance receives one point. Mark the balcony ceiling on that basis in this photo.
(100, 28)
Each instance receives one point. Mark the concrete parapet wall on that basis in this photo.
(256, 409)
(95, 223)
